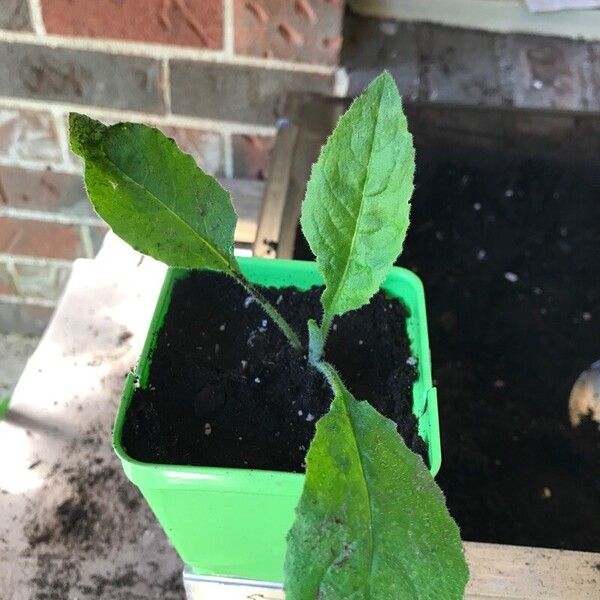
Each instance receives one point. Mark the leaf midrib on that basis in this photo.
(360, 210)
(366, 488)
(210, 248)
(339, 389)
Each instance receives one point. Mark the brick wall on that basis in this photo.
(209, 73)
(212, 74)
(436, 63)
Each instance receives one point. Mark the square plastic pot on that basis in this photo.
(233, 522)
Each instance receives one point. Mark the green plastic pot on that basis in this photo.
(4, 404)
(233, 522)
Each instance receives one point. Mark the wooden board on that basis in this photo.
(247, 196)
(523, 573)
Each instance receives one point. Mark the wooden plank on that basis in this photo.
(267, 236)
(523, 573)
(247, 196)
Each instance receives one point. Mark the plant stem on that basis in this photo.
(289, 333)
(326, 326)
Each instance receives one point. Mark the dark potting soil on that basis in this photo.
(226, 388)
(509, 252)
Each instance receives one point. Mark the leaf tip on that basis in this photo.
(84, 133)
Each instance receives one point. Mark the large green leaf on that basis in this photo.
(154, 196)
(371, 524)
(355, 214)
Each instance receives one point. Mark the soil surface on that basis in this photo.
(226, 388)
(509, 252)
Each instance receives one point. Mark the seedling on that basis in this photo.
(371, 522)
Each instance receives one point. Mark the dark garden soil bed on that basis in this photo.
(226, 389)
(509, 252)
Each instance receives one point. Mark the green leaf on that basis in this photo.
(154, 196)
(371, 523)
(355, 214)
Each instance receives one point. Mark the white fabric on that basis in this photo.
(556, 5)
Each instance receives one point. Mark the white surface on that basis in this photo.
(554, 5)
(505, 16)
(61, 486)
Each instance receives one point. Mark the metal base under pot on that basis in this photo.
(206, 587)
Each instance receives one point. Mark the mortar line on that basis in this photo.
(34, 261)
(60, 124)
(86, 241)
(14, 275)
(166, 75)
(228, 28)
(29, 300)
(161, 51)
(38, 165)
(37, 19)
(228, 165)
(26, 214)
(205, 124)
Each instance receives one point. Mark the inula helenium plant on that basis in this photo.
(371, 522)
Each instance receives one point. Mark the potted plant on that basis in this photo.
(366, 520)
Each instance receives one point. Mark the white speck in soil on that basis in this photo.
(510, 276)
(411, 360)
(222, 327)
(257, 380)
(360, 342)
(537, 84)
(243, 363)
(310, 417)
(279, 299)
(439, 236)
(334, 327)
(301, 447)
(543, 311)
(207, 429)
(586, 316)
(217, 349)
(477, 206)
(300, 413)
(465, 179)
(264, 323)
(240, 438)
(546, 493)
(537, 291)
(248, 301)
(499, 384)
(481, 254)
(509, 193)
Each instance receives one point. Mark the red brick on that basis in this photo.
(241, 93)
(206, 147)
(28, 135)
(87, 77)
(7, 285)
(299, 30)
(252, 156)
(197, 23)
(42, 240)
(44, 190)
